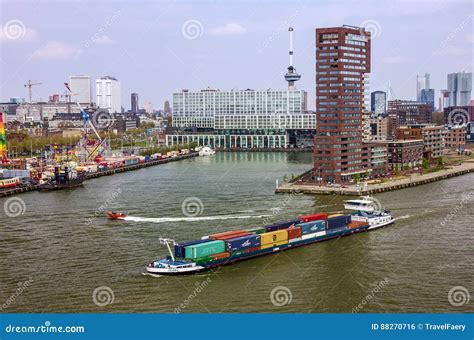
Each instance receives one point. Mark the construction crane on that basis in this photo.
(102, 143)
(29, 85)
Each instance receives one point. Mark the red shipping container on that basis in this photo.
(228, 235)
(294, 232)
(251, 250)
(220, 256)
(356, 224)
(313, 217)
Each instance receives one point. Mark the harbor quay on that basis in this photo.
(412, 180)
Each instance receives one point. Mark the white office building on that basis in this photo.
(108, 94)
(242, 118)
(459, 89)
(422, 83)
(81, 89)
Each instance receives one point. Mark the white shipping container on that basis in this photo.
(318, 234)
(295, 240)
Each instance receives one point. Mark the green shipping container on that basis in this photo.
(257, 230)
(204, 249)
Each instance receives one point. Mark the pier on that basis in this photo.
(352, 190)
(11, 192)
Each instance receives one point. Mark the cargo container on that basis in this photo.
(356, 224)
(318, 234)
(179, 247)
(280, 225)
(338, 221)
(252, 249)
(274, 236)
(228, 234)
(295, 240)
(6, 173)
(257, 230)
(204, 249)
(220, 256)
(274, 244)
(240, 243)
(294, 232)
(313, 217)
(336, 230)
(335, 215)
(312, 227)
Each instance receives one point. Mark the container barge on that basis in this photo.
(232, 246)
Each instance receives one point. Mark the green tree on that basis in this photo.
(425, 164)
(440, 162)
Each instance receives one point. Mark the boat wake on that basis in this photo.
(190, 219)
(403, 217)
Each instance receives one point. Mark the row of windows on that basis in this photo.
(356, 55)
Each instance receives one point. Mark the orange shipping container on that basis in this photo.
(356, 224)
(269, 245)
(228, 234)
(294, 232)
(220, 256)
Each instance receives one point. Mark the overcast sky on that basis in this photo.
(158, 47)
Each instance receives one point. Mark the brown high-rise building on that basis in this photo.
(342, 67)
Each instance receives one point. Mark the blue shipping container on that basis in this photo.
(339, 221)
(280, 225)
(243, 242)
(312, 227)
(179, 250)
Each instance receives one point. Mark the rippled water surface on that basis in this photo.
(64, 248)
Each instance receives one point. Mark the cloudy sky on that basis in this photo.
(158, 47)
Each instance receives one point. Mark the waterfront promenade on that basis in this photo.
(395, 184)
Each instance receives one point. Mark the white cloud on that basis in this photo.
(103, 40)
(56, 51)
(395, 60)
(16, 31)
(228, 29)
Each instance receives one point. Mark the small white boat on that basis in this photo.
(369, 210)
(206, 151)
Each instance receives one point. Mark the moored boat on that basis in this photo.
(206, 151)
(232, 246)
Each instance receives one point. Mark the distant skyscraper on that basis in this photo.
(428, 96)
(459, 88)
(378, 100)
(342, 67)
(148, 106)
(81, 89)
(134, 99)
(108, 92)
(422, 82)
(167, 107)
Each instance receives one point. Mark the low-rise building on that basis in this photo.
(404, 153)
(379, 128)
(455, 137)
(433, 138)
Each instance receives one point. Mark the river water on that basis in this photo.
(63, 255)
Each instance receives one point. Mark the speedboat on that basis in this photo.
(113, 215)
